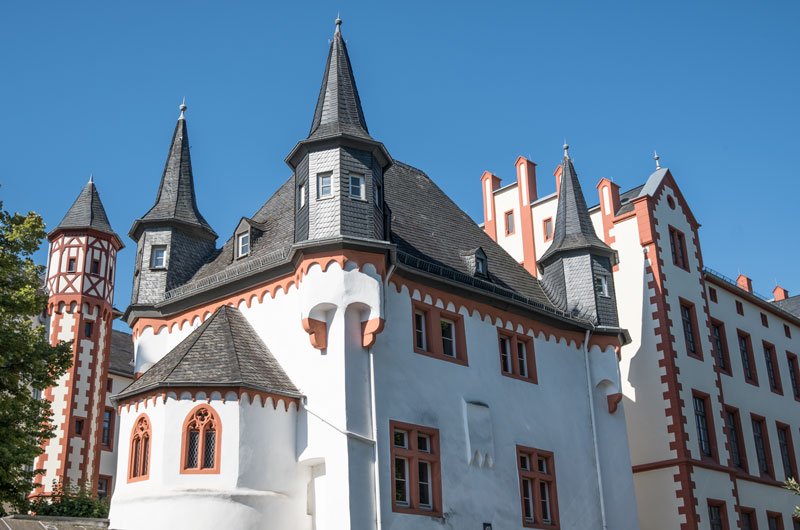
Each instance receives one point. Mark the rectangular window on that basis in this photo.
(774, 521)
(787, 451)
(690, 329)
(509, 222)
(439, 333)
(748, 362)
(761, 439)
(103, 486)
(537, 482)
(109, 385)
(794, 374)
(448, 337)
(720, 343)
(517, 357)
(158, 257)
(71, 264)
(505, 353)
(480, 265)
(301, 192)
(78, 427)
(764, 321)
(243, 244)
(748, 516)
(107, 435)
(324, 182)
(547, 227)
(702, 418)
(739, 308)
(712, 294)
(416, 478)
(376, 194)
(677, 242)
(735, 439)
(787, 331)
(356, 186)
(773, 375)
(88, 328)
(420, 325)
(717, 515)
(601, 285)
(95, 266)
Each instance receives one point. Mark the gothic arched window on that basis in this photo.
(139, 459)
(200, 448)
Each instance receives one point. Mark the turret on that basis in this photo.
(173, 239)
(80, 288)
(577, 267)
(339, 167)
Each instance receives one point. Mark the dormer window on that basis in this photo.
(324, 188)
(601, 285)
(158, 257)
(356, 183)
(243, 244)
(480, 265)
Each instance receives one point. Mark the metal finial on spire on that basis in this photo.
(338, 22)
(566, 149)
(183, 108)
(91, 177)
(657, 158)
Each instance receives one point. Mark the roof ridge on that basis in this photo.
(233, 341)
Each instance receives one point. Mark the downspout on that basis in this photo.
(590, 388)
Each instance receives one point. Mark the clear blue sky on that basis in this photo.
(94, 87)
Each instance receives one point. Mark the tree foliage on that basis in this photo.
(27, 361)
(793, 486)
(70, 501)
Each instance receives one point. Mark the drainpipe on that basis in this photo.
(590, 388)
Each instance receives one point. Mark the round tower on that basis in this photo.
(80, 288)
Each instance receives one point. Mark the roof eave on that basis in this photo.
(348, 140)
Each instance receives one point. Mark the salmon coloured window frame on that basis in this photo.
(411, 456)
(203, 418)
(111, 421)
(704, 426)
(139, 450)
(513, 342)
(773, 371)
(535, 477)
(719, 345)
(716, 506)
(745, 346)
(508, 218)
(432, 318)
(548, 229)
(794, 374)
(677, 243)
(692, 333)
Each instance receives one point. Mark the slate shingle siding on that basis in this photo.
(357, 218)
(301, 214)
(606, 306)
(580, 285)
(324, 214)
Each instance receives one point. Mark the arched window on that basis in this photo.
(200, 448)
(139, 459)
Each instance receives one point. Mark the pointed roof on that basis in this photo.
(224, 351)
(87, 212)
(176, 201)
(574, 229)
(338, 106)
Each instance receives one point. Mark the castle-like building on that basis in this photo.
(360, 354)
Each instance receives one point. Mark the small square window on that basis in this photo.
(78, 427)
(71, 265)
(95, 266)
(739, 308)
(301, 191)
(548, 228)
(243, 244)
(712, 294)
(509, 222)
(109, 385)
(787, 331)
(400, 438)
(102, 487)
(356, 184)
(601, 285)
(88, 327)
(448, 337)
(764, 321)
(158, 257)
(324, 183)
(424, 443)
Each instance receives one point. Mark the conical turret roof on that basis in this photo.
(87, 212)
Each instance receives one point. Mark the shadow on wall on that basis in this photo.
(641, 363)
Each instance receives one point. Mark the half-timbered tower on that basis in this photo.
(80, 285)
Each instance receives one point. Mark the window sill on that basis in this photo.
(751, 382)
(208, 471)
(529, 379)
(358, 199)
(777, 391)
(696, 356)
(442, 357)
(325, 198)
(416, 511)
(158, 268)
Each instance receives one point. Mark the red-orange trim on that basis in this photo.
(530, 355)
(139, 454)
(777, 516)
(489, 210)
(526, 192)
(317, 332)
(433, 333)
(513, 224)
(538, 477)
(548, 234)
(202, 417)
(370, 330)
(787, 429)
(723, 511)
(613, 401)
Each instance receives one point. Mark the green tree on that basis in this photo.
(792, 485)
(27, 361)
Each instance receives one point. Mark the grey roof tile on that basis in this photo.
(87, 212)
(224, 351)
(790, 305)
(121, 361)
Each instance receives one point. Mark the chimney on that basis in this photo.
(526, 188)
(557, 175)
(745, 283)
(780, 293)
(489, 183)
(609, 204)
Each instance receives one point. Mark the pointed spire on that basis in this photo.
(657, 159)
(87, 212)
(91, 177)
(338, 106)
(573, 229)
(176, 201)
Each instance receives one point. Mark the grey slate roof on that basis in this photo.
(574, 229)
(625, 198)
(176, 199)
(790, 305)
(224, 351)
(338, 108)
(87, 212)
(121, 361)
